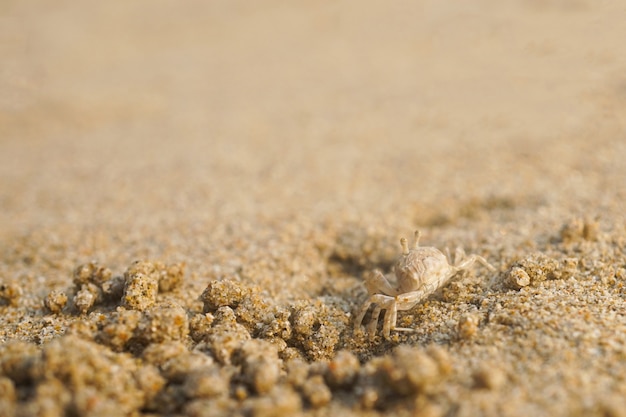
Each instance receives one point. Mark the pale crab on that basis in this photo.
(419, 271)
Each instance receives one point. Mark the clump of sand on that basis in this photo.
(135, 348)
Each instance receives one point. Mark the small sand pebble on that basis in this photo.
(140, 291)
(10, 294)
(162, 323)
(86, 297)
(55, 301)
(427, 408)
(208, 382)
(200, 326)
(282, 401)
(226, 335)
(119, 328)
(517, 278)
(489, 377)
(316, 328)
(223, 293)
(18, 360)
(260, 365)
(569, 267)
(52, 396)
(369, 398)
(591, 230)
(342, 369)
(538, 267)
(578, 228)
(92, 273)
(572, 230)
(441, 356)
(150, 382)
(210, 407)
(177, 368)
(315, 391)
(467, 327)
(297, 372)
(8, 396)
(158, 354)
(170, 276)
(409, 370)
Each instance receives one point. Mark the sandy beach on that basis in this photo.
(193, 195)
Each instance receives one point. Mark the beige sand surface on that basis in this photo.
(262, 158)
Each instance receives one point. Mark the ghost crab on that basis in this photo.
(419, 271)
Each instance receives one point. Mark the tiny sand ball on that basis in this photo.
(517, 278)
(140, 291)
(85, 298)
(572, 230)
(163, 323)
(142, 267)
(10, 294)
(150, 382)
(210, 407)
(264, 373)
(222, 293)
(206, 383)
(591, 229)
(18, 361)
(281, 402)
(316, 328)
(7, 389)
(426, 408)
(489, 377)
(8, 397)
(369, 398)
(467, 327)
(297, 372)
(55, 301)
(442, 357)
(343, 369)
(226, 336)
(200, 326)
(569, 267)
(316, 392)
(119, 328)
(538, 267)
(304, 318)
(409, 370)
(83, 301)
(158, 354)
(177, 368)
(91, 273)
(260, 365)
(52, 396)
(170, 276)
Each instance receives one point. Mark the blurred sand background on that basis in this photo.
(290, 145)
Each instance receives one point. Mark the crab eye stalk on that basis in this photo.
(418, 234)
(405, 246)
